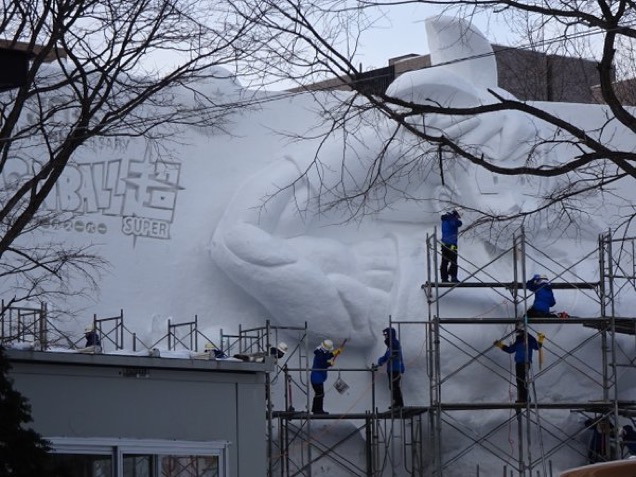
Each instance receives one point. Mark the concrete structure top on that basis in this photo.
(121, 360)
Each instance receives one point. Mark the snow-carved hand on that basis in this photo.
(269, 252)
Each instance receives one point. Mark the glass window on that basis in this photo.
(96, 457)
(69, 465)
(137, 466)
(189, 466)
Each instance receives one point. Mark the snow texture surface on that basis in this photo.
(215, 231)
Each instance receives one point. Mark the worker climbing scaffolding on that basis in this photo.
(450, 229)
(522, 347)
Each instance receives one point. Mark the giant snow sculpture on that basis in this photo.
(255, 203)
(238, 228)
(304, 262)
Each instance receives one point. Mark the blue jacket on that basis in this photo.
(92, 339)
(450, 228)
(393, 355)
(322, 361)
(543, 296)
(629, 439)
(519, 348)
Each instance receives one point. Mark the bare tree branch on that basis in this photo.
(306, 39)
(114, 71)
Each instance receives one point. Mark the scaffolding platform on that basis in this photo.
(403, 413)
(625, 326)
(511, 285)
(593, 406)
(593, 322)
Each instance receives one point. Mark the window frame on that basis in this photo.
(117, 447)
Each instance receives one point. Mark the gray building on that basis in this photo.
(535, 76)
(124, 416)
(529, 75)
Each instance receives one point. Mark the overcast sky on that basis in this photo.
(402, 32)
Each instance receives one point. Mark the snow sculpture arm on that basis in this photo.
(267, 250)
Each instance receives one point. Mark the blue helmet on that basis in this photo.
(389, 332)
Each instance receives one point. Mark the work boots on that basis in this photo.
(316, 407)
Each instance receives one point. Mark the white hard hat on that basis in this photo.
(88, 329)
(327, 345)
(282, 347)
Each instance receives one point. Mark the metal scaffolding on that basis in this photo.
(393, 440)
(537, 439)
(434, 438)
(534, 430)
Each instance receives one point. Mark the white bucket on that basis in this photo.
(340, 385)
